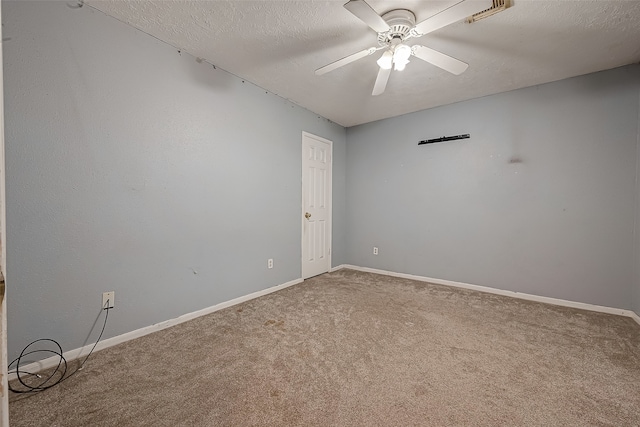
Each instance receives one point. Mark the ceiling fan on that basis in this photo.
(394, 28)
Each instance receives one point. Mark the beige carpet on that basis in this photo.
(359, 349)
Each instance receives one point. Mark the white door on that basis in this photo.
(316, 205)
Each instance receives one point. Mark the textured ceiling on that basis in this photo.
(279, 44)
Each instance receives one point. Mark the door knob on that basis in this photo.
(307, 215)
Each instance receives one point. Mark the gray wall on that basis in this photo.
(539, 200)
(131, 166)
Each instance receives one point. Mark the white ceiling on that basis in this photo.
(279, 44)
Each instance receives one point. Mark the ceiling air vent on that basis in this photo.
(498, 6)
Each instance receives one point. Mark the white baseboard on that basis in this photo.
(109, 342)
(520, 295)
(340, 267)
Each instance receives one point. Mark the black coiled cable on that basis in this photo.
(59, 372)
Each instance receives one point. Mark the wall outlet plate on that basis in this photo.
(108, 299)
(270, 263)
(375, 250)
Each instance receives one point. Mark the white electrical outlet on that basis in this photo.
(108, 299)
(375, 250)
(270, 263)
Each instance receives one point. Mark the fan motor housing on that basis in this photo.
(401, 22)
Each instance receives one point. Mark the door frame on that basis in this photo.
(4, 397)
(329, 200)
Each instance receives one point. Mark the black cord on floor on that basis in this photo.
(60, 371)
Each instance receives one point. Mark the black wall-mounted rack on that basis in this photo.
(444, 138)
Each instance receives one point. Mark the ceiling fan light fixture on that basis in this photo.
(401, 53)
(386, 60)
(399, 65)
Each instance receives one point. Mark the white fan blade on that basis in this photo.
(362, 10)
(455, 13)
(439, 59)
(346, 60)
(381, 81)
